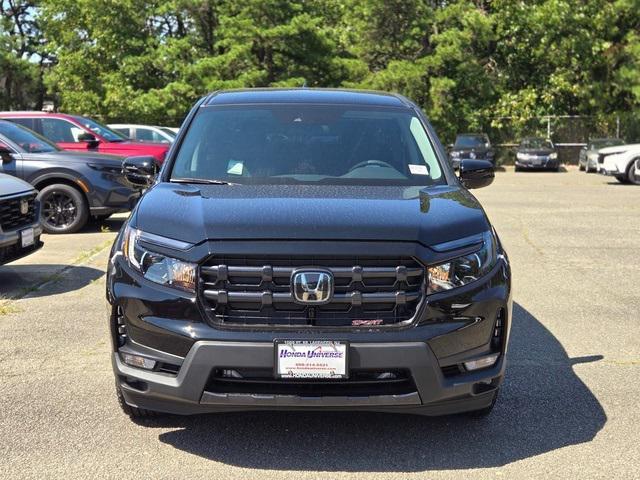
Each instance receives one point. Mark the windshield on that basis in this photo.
(536, 143)
(168, 131)
(471, 141)
(605, 142)
(103, 131)
(27, 140)
(308, 144)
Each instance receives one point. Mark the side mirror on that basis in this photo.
(139, 171)
(86, 137)
(5, 154)
(90, 139)
(476, 173)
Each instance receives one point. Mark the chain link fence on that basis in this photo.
(569, 133)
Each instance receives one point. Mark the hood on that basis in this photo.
(474, 149)
(84, 157)
(536, 151)
(11, 185)
(193, 213)
(619, 149)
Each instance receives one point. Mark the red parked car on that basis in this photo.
(75, 132)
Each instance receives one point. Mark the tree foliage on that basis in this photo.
(467, 63)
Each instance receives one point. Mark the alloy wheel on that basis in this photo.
(59, 210)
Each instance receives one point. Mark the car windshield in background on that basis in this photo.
(168, 131)
(307, 144)
(470, 141)
(27, 140)
(605, 142)
(536, 143)
(99, 129)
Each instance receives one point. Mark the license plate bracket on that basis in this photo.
(27, 237)
(311, 359)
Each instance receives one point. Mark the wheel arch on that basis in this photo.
(55, 178)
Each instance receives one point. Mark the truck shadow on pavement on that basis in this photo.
(543, 406)
(35, 280)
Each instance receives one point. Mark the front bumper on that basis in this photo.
(542, 164)
(10, 248)
(452, 328)
(188, 393)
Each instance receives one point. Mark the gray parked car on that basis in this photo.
(20, 228)
(73, 185)
(588, 159)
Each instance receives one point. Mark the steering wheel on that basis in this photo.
(373, 163)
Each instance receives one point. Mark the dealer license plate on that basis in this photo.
(26, 237)
(311, 359)
(537, 161)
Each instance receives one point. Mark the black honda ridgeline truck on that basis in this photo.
(308, 249)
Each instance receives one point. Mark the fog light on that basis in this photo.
(483, 362)
(138, 361)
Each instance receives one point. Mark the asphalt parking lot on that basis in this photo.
(569, 406)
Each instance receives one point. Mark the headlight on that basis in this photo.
(455, 154)
(158, 267)
(463, 270)
(522, 156)
(553, 156)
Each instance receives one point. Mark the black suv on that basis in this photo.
(471, 146)
(308, 249)
(73, 185)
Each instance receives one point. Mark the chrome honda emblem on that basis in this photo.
(24, 207)
(312, 286)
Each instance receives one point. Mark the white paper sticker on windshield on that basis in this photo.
(418, 169)
(235, 167)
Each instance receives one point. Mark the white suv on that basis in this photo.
(619, 162)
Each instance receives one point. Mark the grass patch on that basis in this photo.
(7, 307)
(87, 254)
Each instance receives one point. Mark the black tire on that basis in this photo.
(133, 412)
(622, 179)
(485, 412)
(582, 168)
(631, 176)
(517, 169)
(63, 209)
(102, 218)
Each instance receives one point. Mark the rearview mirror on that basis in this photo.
(476, 173)
(139, 171)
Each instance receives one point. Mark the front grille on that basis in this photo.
(257, 291)
(11, 216)
(359, 383)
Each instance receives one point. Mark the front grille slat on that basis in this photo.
(266, 272)
(256, 291)
(353, 298)
(11, 217)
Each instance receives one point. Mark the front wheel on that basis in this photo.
(631, 173)
(64, 209)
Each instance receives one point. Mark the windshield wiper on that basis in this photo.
(205, 181)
